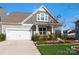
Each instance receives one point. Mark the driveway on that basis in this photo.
(17, 47)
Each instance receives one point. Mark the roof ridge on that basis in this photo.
(21, 12)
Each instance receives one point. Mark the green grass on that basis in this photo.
(58, 49)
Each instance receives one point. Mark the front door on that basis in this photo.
(42, 30)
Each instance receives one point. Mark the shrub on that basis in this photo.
(64, 37)
(41, 38)
(52, 37)
(35, 37)
(46, 37)
(2, 37)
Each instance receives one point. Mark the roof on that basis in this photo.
(15, 17)
(20, 18)
(76, 21)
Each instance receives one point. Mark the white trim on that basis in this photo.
(2, 29)
(37, 31)
(61, 30)
(28, 24)
(23, 26)
(18, 29)
(52, 30)
(34, 13)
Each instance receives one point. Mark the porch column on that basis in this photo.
(37, 31)
(61, 30)
(52, 30)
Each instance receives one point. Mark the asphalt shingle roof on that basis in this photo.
(16, 17)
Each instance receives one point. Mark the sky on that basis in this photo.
(65, 13)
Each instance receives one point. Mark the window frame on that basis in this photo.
(41, 16)
(42, 32)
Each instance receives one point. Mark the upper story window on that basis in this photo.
(42, 17)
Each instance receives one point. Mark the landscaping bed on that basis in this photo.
(52, 39)
(57, 49)
(56, 42)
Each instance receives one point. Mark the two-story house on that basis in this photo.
(21, 26)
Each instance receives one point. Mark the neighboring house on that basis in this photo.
(77, 29)
(22, 26)
(71, 33)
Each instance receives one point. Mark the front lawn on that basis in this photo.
(57, 49)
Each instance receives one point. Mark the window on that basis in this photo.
(42, 31)
(42, 17)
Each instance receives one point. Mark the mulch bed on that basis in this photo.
(74, 41)
(57, 42)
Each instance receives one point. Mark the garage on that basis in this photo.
(18, 34)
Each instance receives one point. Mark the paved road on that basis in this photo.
(18, 48)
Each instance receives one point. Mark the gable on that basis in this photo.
(33, 18)
(41, 9)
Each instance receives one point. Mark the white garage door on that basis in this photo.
(18, 34)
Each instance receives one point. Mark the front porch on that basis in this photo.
(46, 29)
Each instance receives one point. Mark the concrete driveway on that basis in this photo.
(18, 47)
